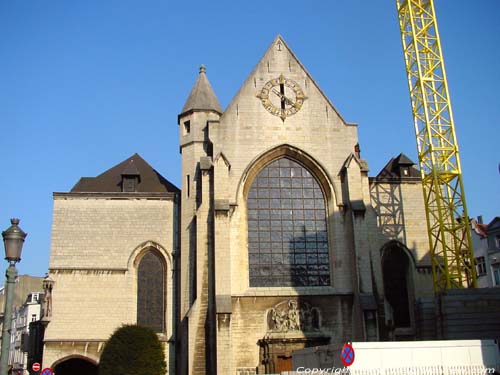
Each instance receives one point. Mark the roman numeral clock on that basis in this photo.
(282, 97)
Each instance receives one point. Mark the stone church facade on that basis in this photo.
(277, 240)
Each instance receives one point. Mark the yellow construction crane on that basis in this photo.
(447, 220)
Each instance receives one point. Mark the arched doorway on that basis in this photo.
(398, 289)
(76, 366)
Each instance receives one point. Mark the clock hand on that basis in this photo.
(288, 101)
(283, 97)
(279, 94)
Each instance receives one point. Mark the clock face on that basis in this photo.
(282, 97)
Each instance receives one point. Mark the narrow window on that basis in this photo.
(187, 127)
(481, 266)
(151, 292)
(188, 186)
(496, 275)
(193, 257)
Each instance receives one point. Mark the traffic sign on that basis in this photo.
(36, 366)
(347, 355)
(47, 371)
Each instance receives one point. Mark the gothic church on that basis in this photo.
(277, 240)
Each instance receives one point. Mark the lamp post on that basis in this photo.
(13, 239)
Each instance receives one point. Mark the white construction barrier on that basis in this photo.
(447, 357)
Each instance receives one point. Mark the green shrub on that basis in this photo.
(133, 350)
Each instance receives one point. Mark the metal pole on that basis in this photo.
(10, 275)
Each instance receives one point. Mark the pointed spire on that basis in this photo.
(202, 96)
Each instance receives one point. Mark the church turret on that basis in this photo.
(202, 107)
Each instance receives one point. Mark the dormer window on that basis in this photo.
(129, 183)
(130, 178)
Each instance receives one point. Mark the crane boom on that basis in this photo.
(447, 220)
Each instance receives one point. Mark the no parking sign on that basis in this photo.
(347, 355)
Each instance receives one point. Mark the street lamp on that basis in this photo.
(13, 239)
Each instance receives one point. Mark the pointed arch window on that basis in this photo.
(151, 292)
(287, 233)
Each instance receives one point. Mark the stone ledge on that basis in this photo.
(299, 291)
(116, 196)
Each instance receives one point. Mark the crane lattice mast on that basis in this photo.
(447, 220)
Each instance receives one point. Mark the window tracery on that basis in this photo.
(287, 233)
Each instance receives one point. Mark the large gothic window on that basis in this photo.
(287, 235)
(151, 292)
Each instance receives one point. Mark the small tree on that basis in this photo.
(133, 350)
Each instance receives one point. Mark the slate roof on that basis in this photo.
(494, 223)
(150, 181)
(392, 169)
(131, 169)
(202, 96)
(402, 159)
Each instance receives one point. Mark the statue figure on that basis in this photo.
(48, 284)
(293, 316)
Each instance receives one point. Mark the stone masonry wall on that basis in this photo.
(96, 242)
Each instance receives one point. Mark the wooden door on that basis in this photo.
(284, 364)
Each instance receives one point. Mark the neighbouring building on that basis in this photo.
(277, 240)
(486, 244)
(494, 249)
(24, 285)
(29, 312)
(112, 262)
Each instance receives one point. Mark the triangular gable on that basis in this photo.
(221, 156)
(363, 165)
(269, 62)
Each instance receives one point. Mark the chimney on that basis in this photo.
(480, 219)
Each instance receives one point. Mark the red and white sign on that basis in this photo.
(36, 366)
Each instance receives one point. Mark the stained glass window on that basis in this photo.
(287, 235)
(151, 292)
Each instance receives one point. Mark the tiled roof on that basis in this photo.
(150, 181)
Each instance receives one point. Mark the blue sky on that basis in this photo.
(85, 84)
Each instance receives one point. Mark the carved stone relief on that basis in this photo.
(293, 316)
